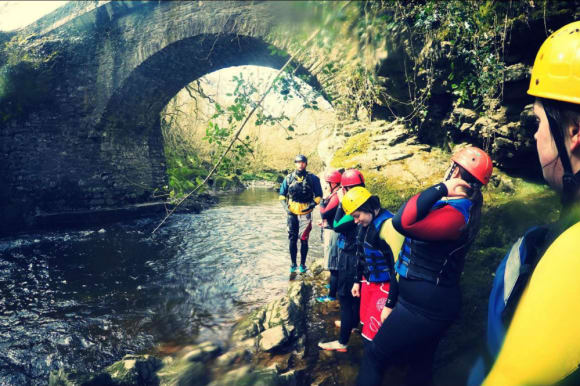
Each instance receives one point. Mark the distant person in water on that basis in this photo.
(439, 225)
(328, 208)
(300, 192)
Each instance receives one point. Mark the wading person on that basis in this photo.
(533, 332)
(439, 225)
(328, 208)
(347, 265)
(300, 192)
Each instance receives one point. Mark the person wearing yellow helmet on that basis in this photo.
(533, 332)
(375, 281)
(438, 225)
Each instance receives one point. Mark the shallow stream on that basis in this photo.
(83, 299)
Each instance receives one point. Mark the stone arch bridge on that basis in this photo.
(92, 140)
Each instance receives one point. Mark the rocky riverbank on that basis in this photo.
(269, 346)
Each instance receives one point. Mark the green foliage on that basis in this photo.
(186, 170)
(226, 120)
(263, 176)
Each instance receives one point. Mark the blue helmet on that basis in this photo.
(301, 158)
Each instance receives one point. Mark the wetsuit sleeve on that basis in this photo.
(417, 220)
(284, 189)
(328, 208)
(393, 238)
(360, 261)
(392, 241)
(542, 344)
(317, 189)
(343, 222)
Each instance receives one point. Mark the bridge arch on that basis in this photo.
(118, 66)
(130, 128)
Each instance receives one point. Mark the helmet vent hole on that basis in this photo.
(541, 56)
(537, 82)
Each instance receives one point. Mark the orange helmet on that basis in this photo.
(476, 162)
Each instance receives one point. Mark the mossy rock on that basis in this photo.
(135, 370)
(62, 378)
(355, 145)
(183, 373)
(245, 376)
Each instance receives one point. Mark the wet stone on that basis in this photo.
(135, 369)
(202, 352)
(272, 338)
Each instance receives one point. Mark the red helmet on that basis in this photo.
(352, 177)
(476, 162)
(333, 176)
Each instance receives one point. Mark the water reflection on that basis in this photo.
(84, 299)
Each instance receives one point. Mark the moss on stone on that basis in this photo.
(356, 145)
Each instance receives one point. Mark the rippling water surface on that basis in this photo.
(83, 299)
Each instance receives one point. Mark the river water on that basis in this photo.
(83, 299)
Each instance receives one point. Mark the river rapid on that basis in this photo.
(81, 300)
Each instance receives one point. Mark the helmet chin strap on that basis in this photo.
(570, 181)
(450, 172)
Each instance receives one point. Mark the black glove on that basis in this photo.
(311, 206)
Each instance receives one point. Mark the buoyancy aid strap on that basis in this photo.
(530, 249)
(512, 269)
(340, 194)
(382, 217)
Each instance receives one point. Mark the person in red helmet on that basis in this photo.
(439, 225)
(328, 208)
(347, 265)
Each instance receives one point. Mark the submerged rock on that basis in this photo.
(202, 352)
(135, 370)
(62, 378)
(183, 373)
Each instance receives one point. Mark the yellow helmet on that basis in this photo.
(556, 71)
(354, 198)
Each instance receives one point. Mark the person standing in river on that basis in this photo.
(300, 192)
(439, 225)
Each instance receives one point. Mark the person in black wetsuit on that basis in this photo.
(439, 224)
(300, 192)
(347, 265)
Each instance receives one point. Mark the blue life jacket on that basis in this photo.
(511, 278)
(377, 263)
(341, 241)
(439, 262)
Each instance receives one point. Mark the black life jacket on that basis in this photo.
(439, 262)
(299, 191)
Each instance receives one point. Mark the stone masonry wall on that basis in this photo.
(95, 141)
